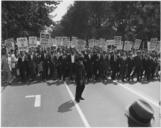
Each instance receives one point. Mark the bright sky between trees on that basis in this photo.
(61, 9)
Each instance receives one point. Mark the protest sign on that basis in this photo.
(32, 41)
(158, 46)
(120, 45)
(9, 43)
(81, 45)
(66, 41)
(110, 42)
(59, 40)
(91, 43)
(44, 39)
(50, 43)
(152, 44)
(97, 43)
(74, 42)
(128, 45)
(118, 42)
(137, 44)
(101, 42)
(54, 41)
(22, 44)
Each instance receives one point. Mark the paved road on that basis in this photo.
(50, 104)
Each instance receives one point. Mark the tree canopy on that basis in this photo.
(105, 19)
(24, 18)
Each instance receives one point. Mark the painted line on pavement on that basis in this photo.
(148, 99)
(37, 100)
(77, 107)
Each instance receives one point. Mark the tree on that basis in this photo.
(24, 18)
(137, 19)
(102, 19)
(75, 21)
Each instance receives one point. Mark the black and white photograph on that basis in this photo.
(71, 63)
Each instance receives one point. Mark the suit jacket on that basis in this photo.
(80, 74)
(138, 63)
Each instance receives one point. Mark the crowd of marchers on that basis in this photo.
(61, 63)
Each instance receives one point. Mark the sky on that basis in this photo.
(61, 9)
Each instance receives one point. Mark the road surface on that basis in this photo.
(50, 104)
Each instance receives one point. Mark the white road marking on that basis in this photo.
(37, 100)
(148, 99)
(77, 107)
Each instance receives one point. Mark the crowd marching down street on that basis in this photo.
(80, 63)
(61, 63)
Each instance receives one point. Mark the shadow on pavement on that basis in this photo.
(65, 107)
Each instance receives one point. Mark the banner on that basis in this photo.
(137, 44)
(32, 41)
(128, 45)
(9, 43)
(152, 44)
(22, 44)
(118, 42)
(44, 39)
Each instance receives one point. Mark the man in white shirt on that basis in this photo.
(72, 66)
(13, 64)
(6, 72)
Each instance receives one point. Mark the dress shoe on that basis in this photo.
(77, 100)
(82, 98)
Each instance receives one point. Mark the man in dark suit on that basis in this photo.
(95, 65)
(113, 63)
(59, 66)
(45, 65)
(138, 66)
(145, 66)
(123, 66)
(80, 79)
(130, 65)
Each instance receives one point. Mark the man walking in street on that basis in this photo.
(80, 79)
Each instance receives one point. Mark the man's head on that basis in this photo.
(140, 114)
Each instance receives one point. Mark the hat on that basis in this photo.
(141, 113)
